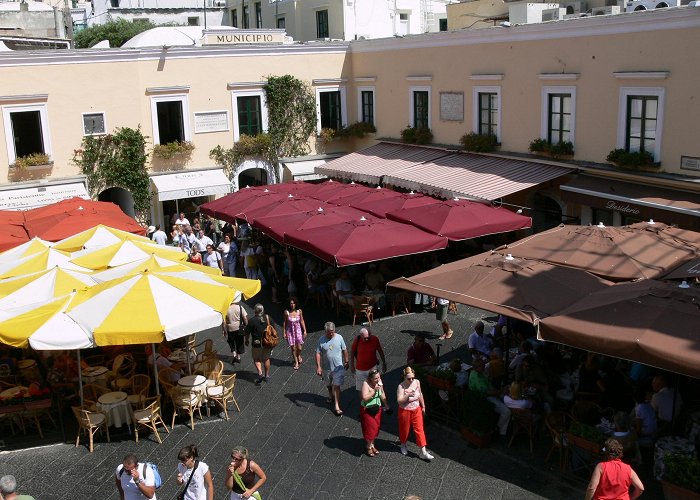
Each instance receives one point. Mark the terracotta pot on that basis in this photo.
(478, 440)
(675, 492)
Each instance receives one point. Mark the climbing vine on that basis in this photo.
(291, 108)
(116, 160)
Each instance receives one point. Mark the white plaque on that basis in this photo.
(210, 121)
(452, 106)
(690, 163)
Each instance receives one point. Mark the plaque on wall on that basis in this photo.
(452, 106)
(690, 163)
(210, 121)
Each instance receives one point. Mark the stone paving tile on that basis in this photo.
(308, 452)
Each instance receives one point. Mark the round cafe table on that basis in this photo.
(12, 392)
(96, 375)
(28, 369)
(196, 383)
(116, 407)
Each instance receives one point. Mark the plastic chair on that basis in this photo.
(187, 401)
(149, 416)
(557, 424)
(524, 422)
(90, 422)
(362, 306)
(222, 393)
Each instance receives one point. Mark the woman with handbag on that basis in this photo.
(411, 410)
(236, 321)
(241, 474)
(373, 398)
(195, 475)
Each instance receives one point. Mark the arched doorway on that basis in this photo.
(253, 173)
(546, 213)
(252, 177)
(119, 196)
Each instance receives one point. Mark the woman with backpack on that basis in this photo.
(256, 330)
(241, 476)
(195, 475)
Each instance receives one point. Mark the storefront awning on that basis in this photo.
(669, 206)
(191, 184)
(38, 196)
(304, 170)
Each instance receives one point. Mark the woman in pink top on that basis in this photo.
(612, 479)
(294, 330)
(411, 410)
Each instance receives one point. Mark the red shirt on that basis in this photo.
(615, 481)
(365, 352)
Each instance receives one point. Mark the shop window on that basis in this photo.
(250, 112)
(258, 15)
(330, 108)
(234, 18)
(366, 104)
(640, 120)
(487, 111)
(603, 215)
(170, 117)
(94, 124)
(280, 23)
(26, 131)
(322, 24)
(419, 112)
(246, 17)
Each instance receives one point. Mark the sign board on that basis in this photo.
(210, 121)
(244, 37)
(690, 163)
(452, 106)
(33, 197)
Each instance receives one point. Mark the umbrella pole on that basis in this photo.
(673, 408)
(80, 379)
(189, 361)
(155, 369)
(506, 346)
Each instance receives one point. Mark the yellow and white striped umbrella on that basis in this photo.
(43, 326)
(31, 247)
(41, 286)
(41, 261)
(125, 252)
(146, 307)
(97, 237)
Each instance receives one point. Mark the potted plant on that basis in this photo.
(560, 150)
(638, 160)
(477, 418)
(681, 479)
(442, 378)
(479, 143)
(357, 129)
(327, 135)
(585, 436)
(33, 160)
(416, 135)
(171, 149)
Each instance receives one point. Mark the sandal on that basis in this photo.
(376, 451)
(338, 413)
(370, 452)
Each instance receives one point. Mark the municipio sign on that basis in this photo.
(243, 37)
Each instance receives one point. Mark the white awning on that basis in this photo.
(191, 184)
(39, 196)
(304, 170)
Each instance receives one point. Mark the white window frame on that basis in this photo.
(359, 103)
(546, 91)
(235, 94)
(10, 136)
(625, 92)
(343, 104)
(184, 100)
(494, 89)
(413, 90)
(104, 120)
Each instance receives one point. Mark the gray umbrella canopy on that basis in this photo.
(519, 288)
(616, 253)
(648, 321)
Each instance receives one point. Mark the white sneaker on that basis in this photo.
(425, 455)
(404, 450)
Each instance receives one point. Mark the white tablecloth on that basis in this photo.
(197, 383)
(117, 408)
(96, 375)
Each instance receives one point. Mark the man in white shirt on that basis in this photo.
(134, 480)
(479, 344)
(182, 220)
(159, 236)
(662, 400)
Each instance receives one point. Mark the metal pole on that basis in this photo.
(80, 379)
(155, 369)
(205, 15)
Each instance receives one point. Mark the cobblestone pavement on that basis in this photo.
(306, 451)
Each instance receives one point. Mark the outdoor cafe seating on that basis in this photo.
(90, 422)
(222, 394)
(186, 401)
(149, 416)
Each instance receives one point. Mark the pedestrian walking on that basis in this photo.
(411, 412)
(441, 315)
(261, 354)
(294, 330)
(613, 478)
(373, 401)
(236, 322)
(133, 481)
(363, 356)
(8, 489)
(331, 363)
(195, 475)
(241, 476)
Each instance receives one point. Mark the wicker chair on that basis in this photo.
(187, 401)
(557, 423)
(222, 393)
(524, 422)
(138, 388)
(90, 422)
(149, 416)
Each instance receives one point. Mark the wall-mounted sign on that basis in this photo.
(452, 106)
(624, 208)
(690, 163)
(210, 121)
(243, 37)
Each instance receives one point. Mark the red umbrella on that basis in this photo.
(235, 205)
(331, 188)
(461, 219)
(297, 188)
(288, 206)
(12, 235)
(364, 240)
(68, 217)
(277, 226)
(380, 207)
(346, 193)
(354, 199)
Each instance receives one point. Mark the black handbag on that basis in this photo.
(372, 409)
(181, 495)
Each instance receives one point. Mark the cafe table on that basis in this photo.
(196, 383)
(97, 375)
(117, 408)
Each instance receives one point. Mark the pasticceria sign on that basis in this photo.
(244, 37)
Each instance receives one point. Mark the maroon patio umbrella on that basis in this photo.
(364, 240)
(234, 206)
(277, 226)
(380, 207)
(375, 194)
(297, 188)
(461, 219)
(666, 231)
(349, 192)
(331, 188)
(652, 322)
(615, 253)
(288, 206)
(519, 288)
(688, 269)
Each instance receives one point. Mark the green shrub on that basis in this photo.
(556, 149)
(478, 143)
(167, 151)
(31, 160)
(683, 471)
(413, 135)
(538, 145)
(357, 129)
(630, 158)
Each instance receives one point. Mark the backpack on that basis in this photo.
(158, 482)
(270, 338)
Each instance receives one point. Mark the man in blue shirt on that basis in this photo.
(331, 363)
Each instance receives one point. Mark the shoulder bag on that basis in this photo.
(238, 479)
(181, 495)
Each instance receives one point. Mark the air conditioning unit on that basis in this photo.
(574, 7)
(553, 14)
(604, 11)
(637, 5)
